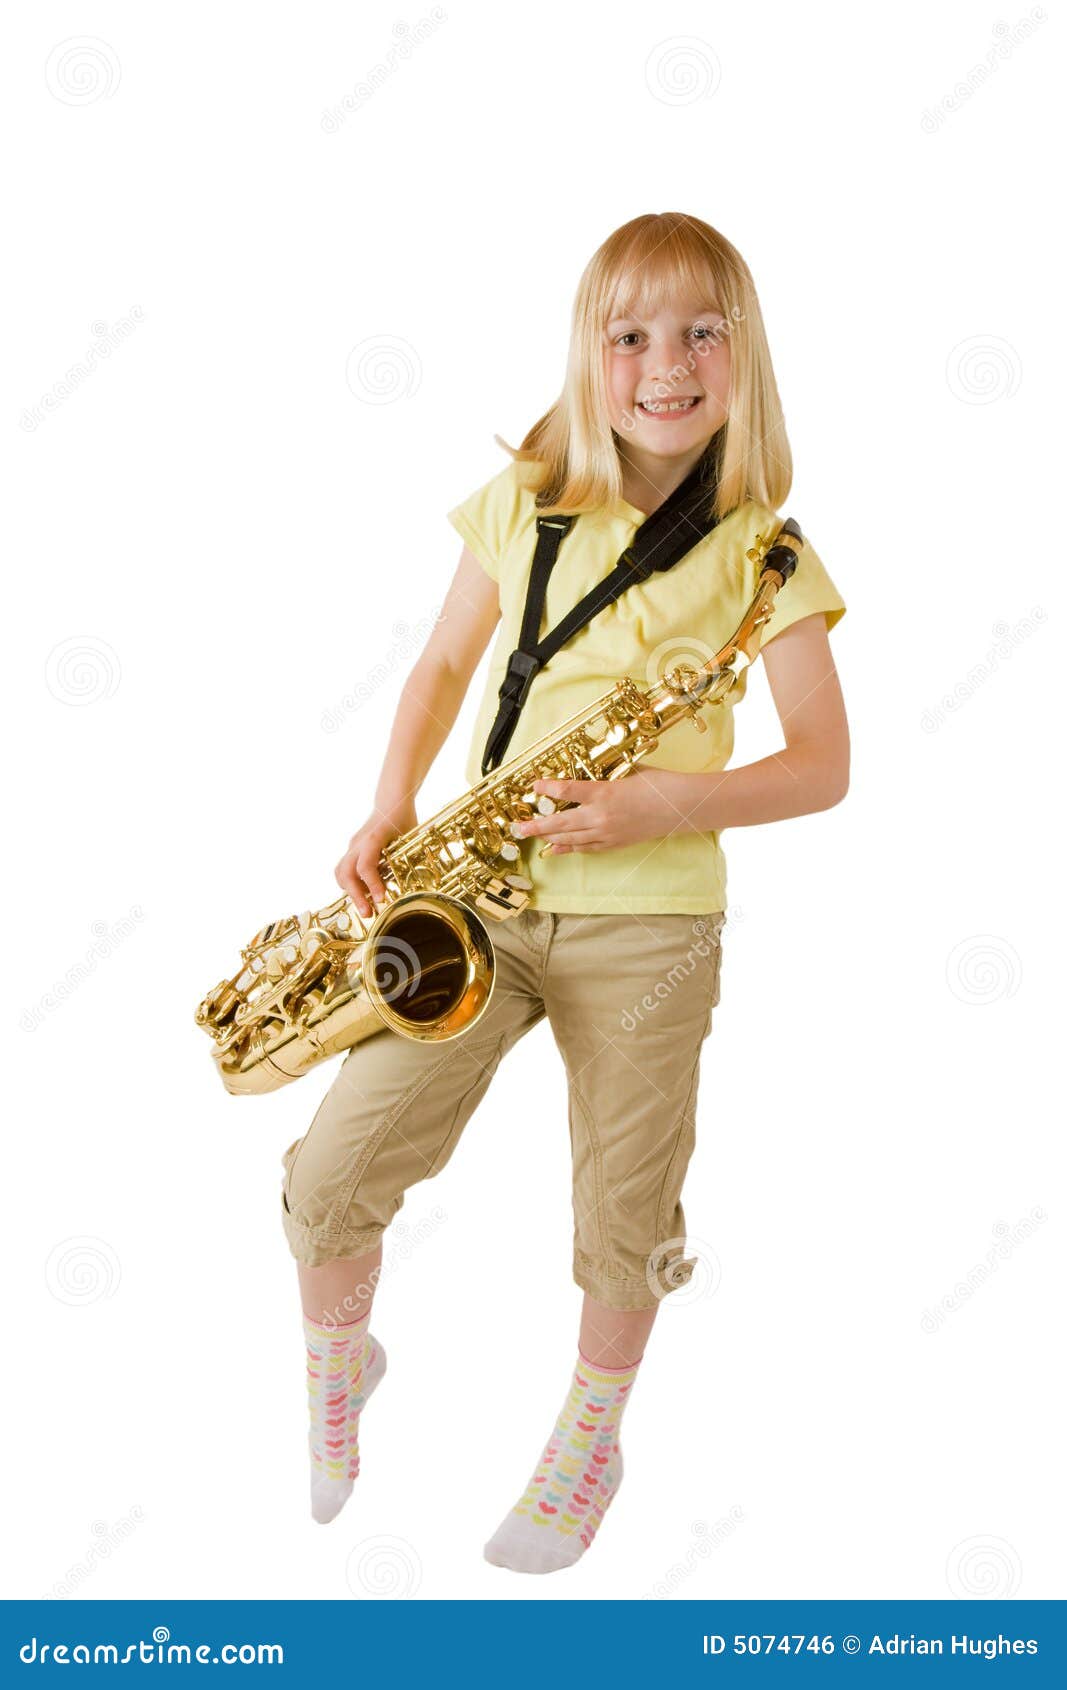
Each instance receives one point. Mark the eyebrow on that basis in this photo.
(635, 316)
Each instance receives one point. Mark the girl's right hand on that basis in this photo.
(357, 872)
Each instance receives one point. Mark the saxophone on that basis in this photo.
(422, 965)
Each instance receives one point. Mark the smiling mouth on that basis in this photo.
(668, 407)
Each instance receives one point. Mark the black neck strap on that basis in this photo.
(661, 541)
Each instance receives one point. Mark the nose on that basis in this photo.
(666, 360)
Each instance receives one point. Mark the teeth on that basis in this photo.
(656, 405)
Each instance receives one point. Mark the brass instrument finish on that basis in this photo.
(313, 985)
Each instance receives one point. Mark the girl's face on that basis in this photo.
(668, 379)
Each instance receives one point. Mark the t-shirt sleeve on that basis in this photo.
(809, 589)
(487, 519)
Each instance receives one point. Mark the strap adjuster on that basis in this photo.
(639, 571)
(522, 667)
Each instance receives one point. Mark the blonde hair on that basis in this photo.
(639, 269)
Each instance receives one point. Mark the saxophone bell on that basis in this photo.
(427, 966)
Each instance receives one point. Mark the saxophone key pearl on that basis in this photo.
(519, 881)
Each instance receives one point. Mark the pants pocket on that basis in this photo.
(713, 924)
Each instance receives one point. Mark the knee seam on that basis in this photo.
(598, 1170)
(374, 1142)
(686, 1116)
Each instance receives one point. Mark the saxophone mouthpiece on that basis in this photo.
(782, 556)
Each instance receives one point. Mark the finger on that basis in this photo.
(349, 882)
(368, 868)
(577, 791)
(550, 824)
(574, 842)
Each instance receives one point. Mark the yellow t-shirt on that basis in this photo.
(687, 613)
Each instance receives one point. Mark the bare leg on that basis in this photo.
(613, 1337)
(340, 1292)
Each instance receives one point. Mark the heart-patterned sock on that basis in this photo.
(573, 1484)
(344, 1365)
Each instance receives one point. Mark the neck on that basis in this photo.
(648, 480)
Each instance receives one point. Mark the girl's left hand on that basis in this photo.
(606, 813)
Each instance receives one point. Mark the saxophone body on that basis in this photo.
(314, 985)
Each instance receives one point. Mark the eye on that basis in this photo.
(629, 334)
(707, 331)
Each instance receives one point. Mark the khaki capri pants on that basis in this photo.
(629, 999)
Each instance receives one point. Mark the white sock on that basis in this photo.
(344, 1365)
(575, 1481)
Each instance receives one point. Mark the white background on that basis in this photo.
(216, 537)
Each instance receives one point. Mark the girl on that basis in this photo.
(669, 377)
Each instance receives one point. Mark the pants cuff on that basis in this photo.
(314, 1248)
(630, 1294)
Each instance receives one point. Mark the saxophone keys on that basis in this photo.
(519, 881)
(539, 801)
(508, 851)
(278, 960)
